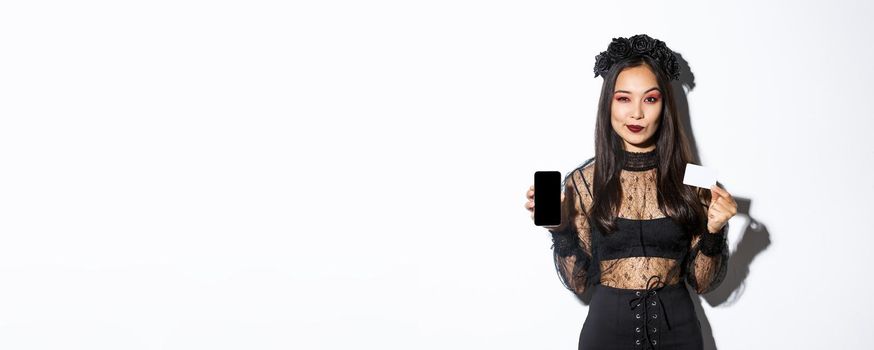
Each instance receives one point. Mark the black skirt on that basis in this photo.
(658, 318)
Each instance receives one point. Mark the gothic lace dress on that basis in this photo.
(640, 265)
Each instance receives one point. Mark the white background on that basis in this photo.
(332, 175)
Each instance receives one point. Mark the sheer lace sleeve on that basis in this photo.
(572, 252)
(708, 255)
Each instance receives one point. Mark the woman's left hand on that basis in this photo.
(722, 207)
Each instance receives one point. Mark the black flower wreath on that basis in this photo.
(638, 45)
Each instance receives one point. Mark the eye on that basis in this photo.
(622, 98)
(654, 99)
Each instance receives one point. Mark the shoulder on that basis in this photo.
(583, 174)
(587, 170)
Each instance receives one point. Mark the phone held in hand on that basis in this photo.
(547, 198)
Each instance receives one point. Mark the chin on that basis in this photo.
(638, 142)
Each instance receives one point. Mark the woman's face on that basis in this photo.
(637, 102)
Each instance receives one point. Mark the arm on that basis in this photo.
(571, 239)
(708, 256)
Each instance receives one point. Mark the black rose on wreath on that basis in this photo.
(619, 48)
(642, 43)
(602, 63)
(661, 47)
(660, 51)
(638, 45)
(671, 67)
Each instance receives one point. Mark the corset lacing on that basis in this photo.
(649, 297)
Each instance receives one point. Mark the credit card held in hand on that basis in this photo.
(700, 176)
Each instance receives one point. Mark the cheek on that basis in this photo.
(616, 112)
(655, 126)
(615, 107)
(616, 120)
(654, 109)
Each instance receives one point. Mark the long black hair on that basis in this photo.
(677, 200)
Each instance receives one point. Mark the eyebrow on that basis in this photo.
(628, 92)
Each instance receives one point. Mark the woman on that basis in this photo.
(632, 232)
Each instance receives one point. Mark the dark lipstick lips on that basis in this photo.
(634, 128)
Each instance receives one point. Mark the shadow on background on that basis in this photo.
(754, 238)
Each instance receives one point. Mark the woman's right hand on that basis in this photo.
(530, 204)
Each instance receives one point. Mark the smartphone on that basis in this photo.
(547, 198)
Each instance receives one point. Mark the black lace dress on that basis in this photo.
(637, 274)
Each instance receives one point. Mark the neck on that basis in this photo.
(640, 161)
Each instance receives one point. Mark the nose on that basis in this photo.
(638, 113)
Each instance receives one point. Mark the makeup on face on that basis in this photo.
(651, 96)
(636, 107)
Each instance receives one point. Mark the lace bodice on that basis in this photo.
(646, 243)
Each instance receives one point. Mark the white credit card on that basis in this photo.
(700, 176)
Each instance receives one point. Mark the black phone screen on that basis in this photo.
(547, 198)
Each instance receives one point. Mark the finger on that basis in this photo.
(714, 213)
(732, 202)
(720, 214)
(727, 209)
(718, 207)
(725, 198)
(719, 200)
(726, 202)
(529, 205)
(714, 195)
(722, 192)
(530, 194)
(711, 217)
